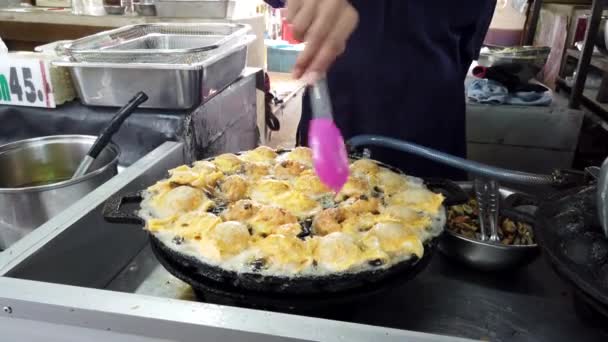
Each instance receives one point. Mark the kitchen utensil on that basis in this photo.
(108, 132)
(35, 182)
(602, 197)
(199, 274)
(169, 43)
(493, 206)
(487, 255)
(481, 193)
(169, 86)
(328, 149)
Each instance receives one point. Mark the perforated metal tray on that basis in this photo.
(172, 43)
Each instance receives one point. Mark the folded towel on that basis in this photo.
(492, 92)
(487, 91)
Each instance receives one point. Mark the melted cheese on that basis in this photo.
(288, 169)
(265, 201)
(328, 221)
(202, 177)
(337, 252)
(224, 240)
(409, 217)
(266, 190)
(309, 184)
(364, 168)
(179, 201)
(262, 154)
(393, 237)
(242, 211)
(355, 187)
(390, 182)
(233, 188)
(289, 229)
(228, 163)
(268, 218)
(193, 225)
(359, 223)
(297, 203)
(418, 199)
(285, 252)
(256, 171)
(302, 155)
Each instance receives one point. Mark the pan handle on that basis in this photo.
(454, 195)
(114, 212)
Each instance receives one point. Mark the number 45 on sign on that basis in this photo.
(25, 82)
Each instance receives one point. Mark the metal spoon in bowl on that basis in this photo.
(328, 149)
(107, 133)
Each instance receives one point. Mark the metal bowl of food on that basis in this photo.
(517, 247)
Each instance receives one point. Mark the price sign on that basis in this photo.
(25, 82)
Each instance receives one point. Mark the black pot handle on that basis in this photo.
(114, 212)
(454, 195)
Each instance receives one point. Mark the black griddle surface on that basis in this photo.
(531, 304)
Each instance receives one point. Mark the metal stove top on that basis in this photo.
(78, 272)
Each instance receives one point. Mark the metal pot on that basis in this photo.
(35, 182)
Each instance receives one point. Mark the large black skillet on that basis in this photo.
(203, 276)
(570, 234)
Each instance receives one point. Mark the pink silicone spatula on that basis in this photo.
(328, 150)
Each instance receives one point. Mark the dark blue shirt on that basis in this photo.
(402, 75)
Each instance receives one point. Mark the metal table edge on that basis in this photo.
(151, 316)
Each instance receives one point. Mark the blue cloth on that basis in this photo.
(402, 75)
(491, 92)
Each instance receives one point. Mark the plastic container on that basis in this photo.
(282, 57)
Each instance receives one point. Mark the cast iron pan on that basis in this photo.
(226, 293)
(569, 233)
(197, 273)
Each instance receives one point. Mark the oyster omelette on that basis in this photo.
(267, 212)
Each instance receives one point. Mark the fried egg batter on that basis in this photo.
(267, 212)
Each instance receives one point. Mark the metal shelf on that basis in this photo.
(588, 100)
(600, 62)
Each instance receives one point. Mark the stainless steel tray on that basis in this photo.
(169, 86)
(174, 43)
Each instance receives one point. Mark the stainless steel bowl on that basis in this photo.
(483, 255)
(530, 59)
(35, 182)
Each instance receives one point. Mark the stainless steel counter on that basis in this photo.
(79, 278)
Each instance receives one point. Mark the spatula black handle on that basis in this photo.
(115, 123)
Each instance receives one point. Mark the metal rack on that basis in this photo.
(595, 101)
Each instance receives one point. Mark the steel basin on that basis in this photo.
(483, 255)
(35, 182)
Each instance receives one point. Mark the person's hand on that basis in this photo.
(325, 26)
